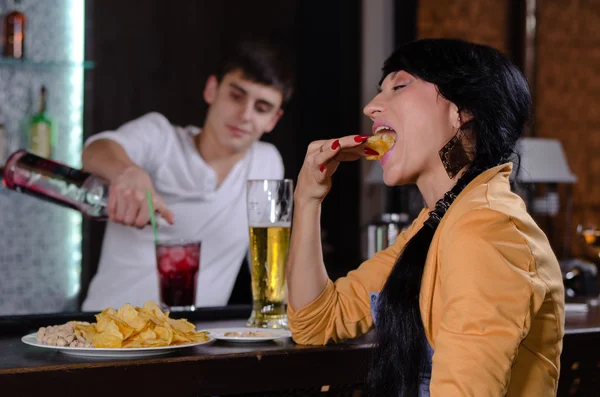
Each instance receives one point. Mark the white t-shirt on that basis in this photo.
(214, 215)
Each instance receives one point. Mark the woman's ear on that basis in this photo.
(458, 117)
(465, 117)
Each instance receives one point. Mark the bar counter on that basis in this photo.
(279, 368)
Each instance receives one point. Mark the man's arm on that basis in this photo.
(123, 158)
(107, 159)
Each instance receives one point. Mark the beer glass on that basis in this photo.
(269, 205)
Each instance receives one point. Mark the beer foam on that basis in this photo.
(275, 224)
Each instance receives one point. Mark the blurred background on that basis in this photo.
(100, 63)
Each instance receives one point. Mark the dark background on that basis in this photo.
(154, 57)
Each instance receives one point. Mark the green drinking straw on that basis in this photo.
(152, 219)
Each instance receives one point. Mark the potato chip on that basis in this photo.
(110, 337)
(131, 316)
(105, 340)
(135, 327)
(147, 334)
(164, 333)
(152, 309)
(106, 311)
(199, 336)
(85, 331)
(154, 343)
(180, 337)
(103, 322)
(144, 343)
(124, 328)
(182, 325)
(381, 143)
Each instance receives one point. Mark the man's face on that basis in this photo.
(240, 111)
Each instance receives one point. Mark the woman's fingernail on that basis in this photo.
(361, 138)
(371, 152)
(335, 144)
(322, 167)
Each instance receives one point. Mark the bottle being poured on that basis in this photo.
(52, 181)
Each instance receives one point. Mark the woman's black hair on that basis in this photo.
(486, 85)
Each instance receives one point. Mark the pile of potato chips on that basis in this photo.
(135, 327)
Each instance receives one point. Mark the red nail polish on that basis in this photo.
(322, 167)
(371, 152)
(335, 144)
(361, 138)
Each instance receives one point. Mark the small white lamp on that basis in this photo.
(543, 161)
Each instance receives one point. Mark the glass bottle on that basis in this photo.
(13, 35)
(55, 182)
(41, 129)
(52, 181)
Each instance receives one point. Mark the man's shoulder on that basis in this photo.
(152, 125)
(266, 162)
(265, 152)
(159, 120)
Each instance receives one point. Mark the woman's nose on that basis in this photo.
(373, 107)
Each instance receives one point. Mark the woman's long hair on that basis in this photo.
(483, 83)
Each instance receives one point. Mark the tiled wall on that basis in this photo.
(40, 251)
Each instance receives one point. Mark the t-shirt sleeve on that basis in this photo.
(143, 139)
(278, 167)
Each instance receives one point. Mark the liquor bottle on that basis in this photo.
(13, 37)
(41, 129)
(55, 182)
(52, 181)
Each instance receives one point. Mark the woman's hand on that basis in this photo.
(321, 162)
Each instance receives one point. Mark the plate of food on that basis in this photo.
(246, 334)
(127, 332)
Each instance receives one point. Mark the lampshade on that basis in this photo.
(543, 160)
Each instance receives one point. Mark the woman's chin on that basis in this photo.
(391, 178)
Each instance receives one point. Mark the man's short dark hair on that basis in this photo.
(263, 62)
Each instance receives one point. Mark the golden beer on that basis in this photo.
(268, 255)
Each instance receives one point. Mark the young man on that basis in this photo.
(197, 178)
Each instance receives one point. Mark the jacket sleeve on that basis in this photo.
(490, 292)
(343, 311)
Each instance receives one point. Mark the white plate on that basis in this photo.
(111, 352)
(219, 333)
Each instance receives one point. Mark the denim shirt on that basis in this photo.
(426, 375)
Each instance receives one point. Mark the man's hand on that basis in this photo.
(127, 202)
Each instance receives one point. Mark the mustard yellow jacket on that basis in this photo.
(492, 297)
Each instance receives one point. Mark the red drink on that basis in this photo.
(178, 263)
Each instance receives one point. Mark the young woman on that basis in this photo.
(469, 301)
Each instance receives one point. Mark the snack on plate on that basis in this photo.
(381, 143)
(249, 334)
(128, 327)
(62, 335)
